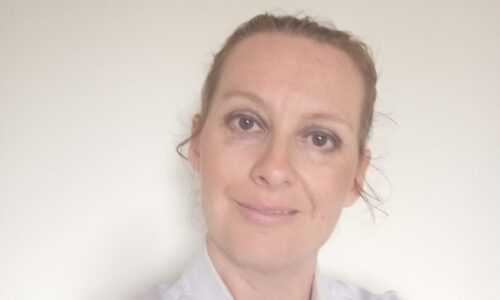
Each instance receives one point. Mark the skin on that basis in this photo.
(278, 157)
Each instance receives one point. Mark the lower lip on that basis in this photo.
(263, 218)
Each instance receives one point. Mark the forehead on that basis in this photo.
(294, 72)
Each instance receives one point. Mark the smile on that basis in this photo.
(266, 216)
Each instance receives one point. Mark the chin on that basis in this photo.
(263, 250)
(261, 257)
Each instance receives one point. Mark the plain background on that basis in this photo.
(94, 96)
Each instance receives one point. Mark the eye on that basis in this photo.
(244, 123)
(324, 141)
(319, 140)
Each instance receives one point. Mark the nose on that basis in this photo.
(273, 168)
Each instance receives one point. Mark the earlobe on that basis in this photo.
(359, 179)
(194, 147)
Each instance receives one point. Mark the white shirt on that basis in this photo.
(200, 281)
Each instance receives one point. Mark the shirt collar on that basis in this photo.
(202, 279)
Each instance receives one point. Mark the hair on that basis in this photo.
(300, 27)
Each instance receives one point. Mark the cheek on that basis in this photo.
(327, 192)
(328, 187)
(222, 158)
(221, 165)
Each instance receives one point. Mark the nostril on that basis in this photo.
(273, 169)
(262, 179)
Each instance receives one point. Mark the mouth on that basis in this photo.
(266, 216)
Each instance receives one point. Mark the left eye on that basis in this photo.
(319, 140)
(324, 141)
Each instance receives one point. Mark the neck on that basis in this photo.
(293, 282)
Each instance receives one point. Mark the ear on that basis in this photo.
(359, 179)
(194, 143)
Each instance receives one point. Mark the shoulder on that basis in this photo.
(334, 289)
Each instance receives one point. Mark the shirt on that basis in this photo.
(200, 281)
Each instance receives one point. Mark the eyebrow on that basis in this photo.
(328, 117)
(236, 93)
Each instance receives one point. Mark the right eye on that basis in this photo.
(244, 123)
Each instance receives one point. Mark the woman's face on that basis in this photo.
(278, 154)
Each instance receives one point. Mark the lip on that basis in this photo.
(266, 215)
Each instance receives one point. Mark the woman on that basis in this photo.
(280, 147)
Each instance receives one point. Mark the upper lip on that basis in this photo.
(266, 208)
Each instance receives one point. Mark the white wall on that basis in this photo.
(94, 96)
